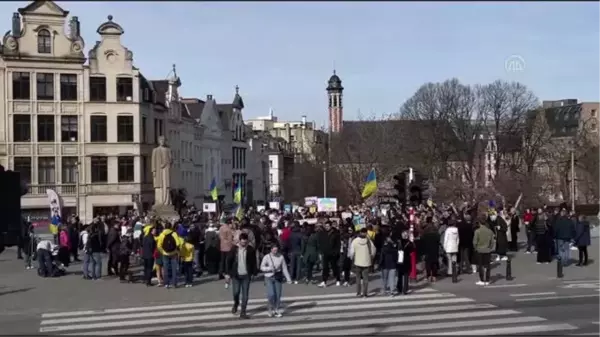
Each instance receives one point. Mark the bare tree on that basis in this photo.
(505, 106)
(362, 145)
(452, 128)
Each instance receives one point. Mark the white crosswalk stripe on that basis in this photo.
(425, 311)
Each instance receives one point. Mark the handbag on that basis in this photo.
(277, 274)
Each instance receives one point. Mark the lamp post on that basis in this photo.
(324, 179)
(573, 194)
(77, 188)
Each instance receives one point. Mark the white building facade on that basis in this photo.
(87, 131)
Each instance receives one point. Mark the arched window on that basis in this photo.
(44, 42)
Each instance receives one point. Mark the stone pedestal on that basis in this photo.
(166, 212)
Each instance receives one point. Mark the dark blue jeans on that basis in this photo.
(296, 266)
(92, 265)
(241, 286)
(44, 262)
(170, 270)
(188, 271)
(563, 251)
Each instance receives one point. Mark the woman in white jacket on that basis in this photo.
(451, 245)
(276, 272)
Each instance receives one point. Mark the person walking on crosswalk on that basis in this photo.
(240, 267)
(276, 272)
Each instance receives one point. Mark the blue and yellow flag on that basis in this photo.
(370, 185)
(237, 194)
(239, 213)
(213, 190)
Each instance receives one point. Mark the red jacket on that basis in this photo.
(527, 218)
(285, 234)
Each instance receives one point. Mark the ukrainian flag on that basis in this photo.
(237, 194)
(370, 185)
(213, 190)
(239, 213)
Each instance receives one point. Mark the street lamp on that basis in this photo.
(324, 179)
(77, 188)
(573, 177)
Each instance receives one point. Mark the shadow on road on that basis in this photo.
(8, 292)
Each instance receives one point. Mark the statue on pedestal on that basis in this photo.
(162, 159)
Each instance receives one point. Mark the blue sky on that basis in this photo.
(281, 54)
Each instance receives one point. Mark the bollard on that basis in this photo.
(559, 268)
(509, 270)
(454, 273)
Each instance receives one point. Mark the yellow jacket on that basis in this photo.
(186, 251)
(161, 238)
(371, 234)
(147, 228)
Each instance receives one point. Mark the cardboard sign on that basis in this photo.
(274, 205)
(287, 208)
(209, 207)
(310, 201)
(327, 204)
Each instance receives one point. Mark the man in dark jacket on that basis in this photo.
(563, 230)
(465, 244)
(330, 246)
(240, 267)
(310, 250)
(295, 249)
(113, 245)
(148, 247)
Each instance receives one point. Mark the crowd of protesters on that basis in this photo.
(345, 246)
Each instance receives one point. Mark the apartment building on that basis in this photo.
(83, 130)
(303, 136)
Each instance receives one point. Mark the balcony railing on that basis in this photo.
(103, 188)
(61, 189)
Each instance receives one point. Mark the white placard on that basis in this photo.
(310, 201)
(209, 207)
(346, 215)
(327, 205)
(260, 208)
(273, 205)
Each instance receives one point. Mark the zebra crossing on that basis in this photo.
(425, 311)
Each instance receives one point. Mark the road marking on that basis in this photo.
(225, 312)
(597, 323)
(421, 327)
(507, 286)
(554, 298)
(582, 281)
(510, 330)
(209, 304)
(534, 294)
(431, 312)
(293, 318)
(581, 286)
(150, 317)
(262, 328)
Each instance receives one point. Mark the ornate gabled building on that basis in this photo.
(83, 130)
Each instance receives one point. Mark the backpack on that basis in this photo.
(169, 245)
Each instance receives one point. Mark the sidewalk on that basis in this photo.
(525, 271)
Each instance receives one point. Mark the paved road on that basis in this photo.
(426, 311)
(534, 299)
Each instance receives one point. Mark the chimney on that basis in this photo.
(75, 27)
(16, 25)
(304, 120)
(271, 113)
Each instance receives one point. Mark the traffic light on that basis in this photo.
(400, 186)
